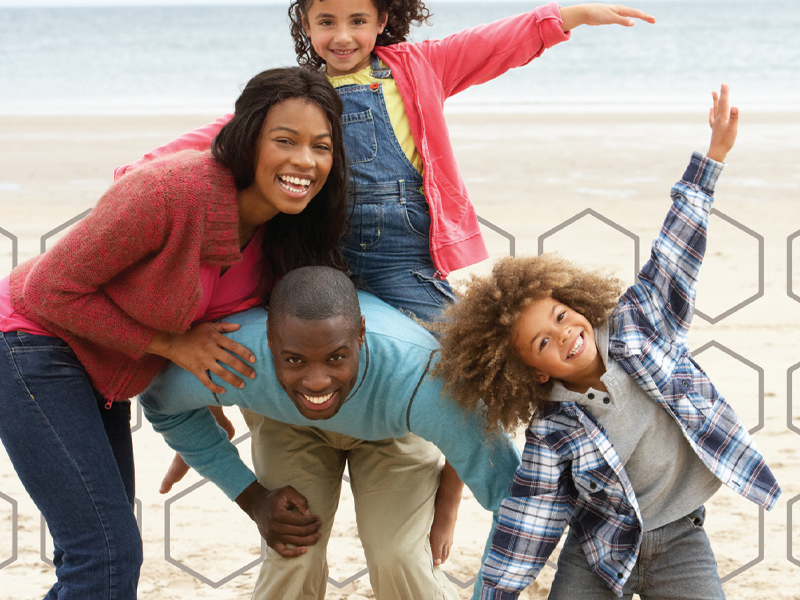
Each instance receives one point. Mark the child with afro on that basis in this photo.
(627, 437)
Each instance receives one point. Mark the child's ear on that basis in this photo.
(306, 28)
(542, 378)
(384, 18)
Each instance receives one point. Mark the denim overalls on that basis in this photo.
(388, 247)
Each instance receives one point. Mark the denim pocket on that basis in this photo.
(417, 219)
(358, 130)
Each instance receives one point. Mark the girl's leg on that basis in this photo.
(389, 250)
(678, 563)
(53, 432)
(575, 578)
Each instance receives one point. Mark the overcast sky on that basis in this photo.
(7, 3)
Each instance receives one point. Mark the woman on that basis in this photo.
(87, 325)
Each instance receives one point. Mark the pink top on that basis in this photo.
(222, 295)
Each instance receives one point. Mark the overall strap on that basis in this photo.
(379, 72)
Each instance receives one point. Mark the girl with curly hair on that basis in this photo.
(628, 437)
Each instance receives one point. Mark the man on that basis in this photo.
(349, 381)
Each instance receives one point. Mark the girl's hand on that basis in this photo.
(724, 121)
(203, 349)
(601, 14)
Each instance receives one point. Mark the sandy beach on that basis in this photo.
(528, 175)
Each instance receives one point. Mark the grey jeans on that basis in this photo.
(675, 563)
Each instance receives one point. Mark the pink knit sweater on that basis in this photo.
(131, 268)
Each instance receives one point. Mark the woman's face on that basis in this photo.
(295, 155)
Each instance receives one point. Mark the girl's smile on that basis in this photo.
(343, 33)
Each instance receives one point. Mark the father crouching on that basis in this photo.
(349, 381)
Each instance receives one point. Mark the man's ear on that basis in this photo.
(362, 331)
(269, 336)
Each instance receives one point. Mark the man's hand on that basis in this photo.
(601, 14)
(279, 522)
(203, 349)
(724, 121)
(445, 513)
(178, 468)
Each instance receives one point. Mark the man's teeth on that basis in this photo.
(578, 345)
(296, 181)
(318, 399)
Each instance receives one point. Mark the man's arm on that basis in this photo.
(445, 513)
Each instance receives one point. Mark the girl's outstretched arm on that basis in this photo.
(724, 121)
(601, 14)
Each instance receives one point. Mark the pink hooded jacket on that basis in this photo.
(427, 73)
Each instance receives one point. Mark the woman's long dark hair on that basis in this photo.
(313, 236)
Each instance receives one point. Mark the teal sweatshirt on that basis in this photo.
(395, 394)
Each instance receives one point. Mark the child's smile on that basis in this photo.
(343, 33)
(558, 342)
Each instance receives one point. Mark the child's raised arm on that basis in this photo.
(601, 14)
(724, 121)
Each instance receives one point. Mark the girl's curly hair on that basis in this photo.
(479, 361)
(401, 15)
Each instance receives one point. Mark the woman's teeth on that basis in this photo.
(295, 183)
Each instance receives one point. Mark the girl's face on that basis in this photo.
(343, 33)
(558, 342)
(294, 158)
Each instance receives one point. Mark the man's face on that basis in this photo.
(316, 362)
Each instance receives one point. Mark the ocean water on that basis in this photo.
(195, 59)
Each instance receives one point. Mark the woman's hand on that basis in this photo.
(724, 121)
(601, 14)
(203, 349)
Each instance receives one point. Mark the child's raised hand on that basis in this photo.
(601, 14)
(724, 121)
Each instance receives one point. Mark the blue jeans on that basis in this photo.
(675, 563)
(75, 459)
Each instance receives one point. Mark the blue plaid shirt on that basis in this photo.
(570, 472)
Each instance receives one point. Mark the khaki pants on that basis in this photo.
(394, 485)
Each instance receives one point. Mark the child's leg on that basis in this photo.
(679, 563)
(389, 250)
(394, 484)
(305, 459)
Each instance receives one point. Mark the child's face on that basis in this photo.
(343, 33)
(558, 342)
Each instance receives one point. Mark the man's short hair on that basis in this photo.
(314, 294)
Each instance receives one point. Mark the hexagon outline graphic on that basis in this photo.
(139, 414)
(340, 584)
(14, 250)
(512, 241)
(758, 558)
(186, 569)
(603, 219)
(789, 551)
(760, 292)
(790, 371)
(52, 232)
(789, 286)
(715, 344)
(14, 530)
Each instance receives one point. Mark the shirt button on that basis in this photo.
(593, 485)
(606, 400)
(590, 396)
(374, 86)
(620, 576)
(685, 383)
